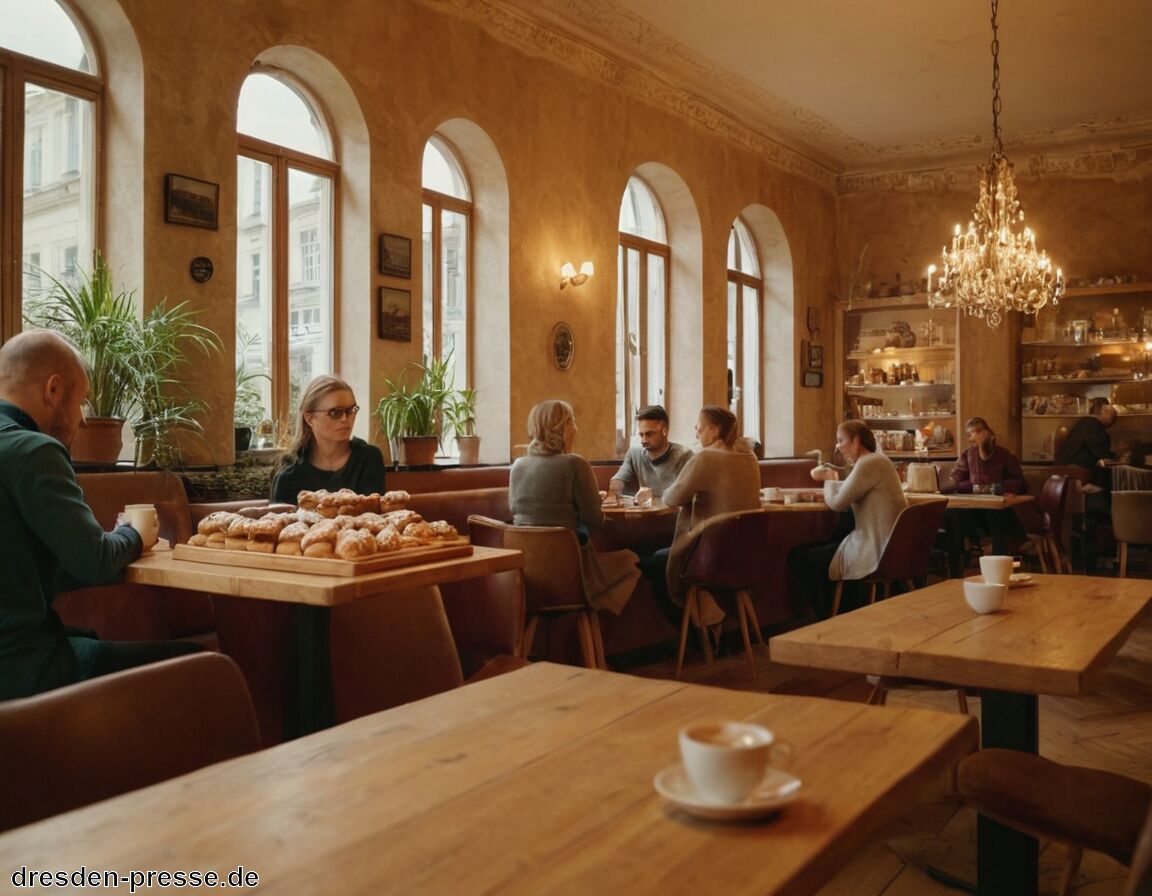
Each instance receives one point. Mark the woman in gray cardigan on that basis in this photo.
(873, 492)
(553, 487)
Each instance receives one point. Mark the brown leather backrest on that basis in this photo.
(1139, 882)
(910, 544)
(553, 575)
(728, 551)
(90, 741)
(107, 493)
(1053, 499)
(457, 506)
(1132, 516)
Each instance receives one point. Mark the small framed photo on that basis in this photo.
(813, 379)
(563, 346)
(815, 355)
(395, 255)
(195, 203)
(394, 314)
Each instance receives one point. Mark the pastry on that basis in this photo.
(213, 526)
(289, 539)
(264, 533)
(388, 539)
(443, 529)
(355, 544)
(320, 540)
(199, 540)
(421, 530)
(394, 500)
(402, 518)
(236, 537)
(373, 522)
(307, 500)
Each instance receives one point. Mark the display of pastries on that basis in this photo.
(326, 524)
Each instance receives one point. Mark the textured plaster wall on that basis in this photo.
(390, 74)
(1092, 225)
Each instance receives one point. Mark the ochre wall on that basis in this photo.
(567, 138)
(1091, 212)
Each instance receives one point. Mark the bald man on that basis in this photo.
(49, 539)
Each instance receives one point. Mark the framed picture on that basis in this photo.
(394, 314)
(815, 355)
(563, 346)
(813, 379)
(395, 255)
(813, 321)
(189, 201)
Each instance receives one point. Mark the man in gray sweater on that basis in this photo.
(657, 462)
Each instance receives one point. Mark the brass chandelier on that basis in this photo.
(994, 266)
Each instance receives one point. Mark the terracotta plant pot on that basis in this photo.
(420, 451)
(469, 450)
(99, 440)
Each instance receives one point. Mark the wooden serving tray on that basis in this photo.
(323, 566)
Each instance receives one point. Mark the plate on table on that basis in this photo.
(775, 791)
(1019, 579)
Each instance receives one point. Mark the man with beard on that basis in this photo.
(50, 540)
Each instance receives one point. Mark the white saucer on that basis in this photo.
(1019, 579)
(776, 790)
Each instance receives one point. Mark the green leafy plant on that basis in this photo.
(460, 412)
(249, 408)
(415, 408)
(132, 362)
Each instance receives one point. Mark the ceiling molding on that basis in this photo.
(551, 39)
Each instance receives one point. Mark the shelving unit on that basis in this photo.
(906, 392)
(1096, 343)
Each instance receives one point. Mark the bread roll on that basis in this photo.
(320, 540)
(388, 539)
(308, 500)
(236, 538)
(199, 540)
(217, 521)
(421, 530)
(264, 533)
(401, 519)
(394, 500)
(289, 539)
(444, 530)
(355, 544)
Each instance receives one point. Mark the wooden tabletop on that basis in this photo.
(630, 511)
(1047, 639)
(539, 781)
(321, 590)
(971, 502)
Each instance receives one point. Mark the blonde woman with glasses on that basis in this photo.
(324, 453)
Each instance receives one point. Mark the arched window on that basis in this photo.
(641, 308)
(50, 90)
(745, 293)
(447, 299)
(285, 249)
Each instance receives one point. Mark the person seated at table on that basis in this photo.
(52, 542)
(983, 468)
(873, 493)
(551, 486)
(1089, 446)
(723, 477)
(323, 453)
(657, 461)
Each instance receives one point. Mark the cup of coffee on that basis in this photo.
(770, 495)
(984, 597)
(726, 760)
(997, 570)
(144, 520)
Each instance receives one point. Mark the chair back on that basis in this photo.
(910, 543)
(76, 745)
(1053, 500)
(1139, 881)
(728, 551)
(1132, 517)
(553, 575)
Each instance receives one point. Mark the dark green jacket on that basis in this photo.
(49, 542)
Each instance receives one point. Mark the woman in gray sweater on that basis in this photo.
(553, 487)
(873, 493)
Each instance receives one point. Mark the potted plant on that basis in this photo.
(411, 413)
(131, 364)
(248, 412)
(460, 412)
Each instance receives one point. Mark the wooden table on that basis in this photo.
(313, 597)
(1048, 639)
(539, 781)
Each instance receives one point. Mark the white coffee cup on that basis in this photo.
(726, 760)
(984, 597)
(770, 494)
(997, 570)
(144, 520)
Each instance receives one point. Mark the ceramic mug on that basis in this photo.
(726, 760)
(984, 597)
(997, 570)
(144, 520)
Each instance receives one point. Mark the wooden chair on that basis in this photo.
(76, 745)
(905, 557)
(1047, 539)
(1131, 523)
(553, 580)
(1083, 808)
(726, 553)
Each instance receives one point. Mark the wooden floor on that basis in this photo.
(1110, 727)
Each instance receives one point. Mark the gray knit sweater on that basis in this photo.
(873, 492)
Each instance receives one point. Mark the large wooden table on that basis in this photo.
(313, 597)
(539, 781)
(1047, 639)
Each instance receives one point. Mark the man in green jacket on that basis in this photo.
(49, 539)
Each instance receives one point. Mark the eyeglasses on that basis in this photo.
(338, 413)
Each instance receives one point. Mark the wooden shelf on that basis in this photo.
(1120, 289)
(1090, 344)
(941, 416)
(893, 352)
(1086, 380)
(1078, 416)
(856, 387)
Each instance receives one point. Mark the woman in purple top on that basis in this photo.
(984, 467)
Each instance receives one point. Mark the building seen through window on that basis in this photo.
(745, 293)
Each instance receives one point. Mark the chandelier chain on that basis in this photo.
(997, 142)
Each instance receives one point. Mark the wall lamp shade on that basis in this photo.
(569, 276)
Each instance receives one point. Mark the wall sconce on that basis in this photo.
(568, 275)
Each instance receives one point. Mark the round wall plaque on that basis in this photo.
(201, 269)
(562, 345)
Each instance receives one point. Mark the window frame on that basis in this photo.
(280, 159)
(17, 70)
(743, 280)
(646, 247)
(439, 203)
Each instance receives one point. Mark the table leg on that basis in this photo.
(1007, 862)
(315, 710)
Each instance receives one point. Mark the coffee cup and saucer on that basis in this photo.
(726, 772)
